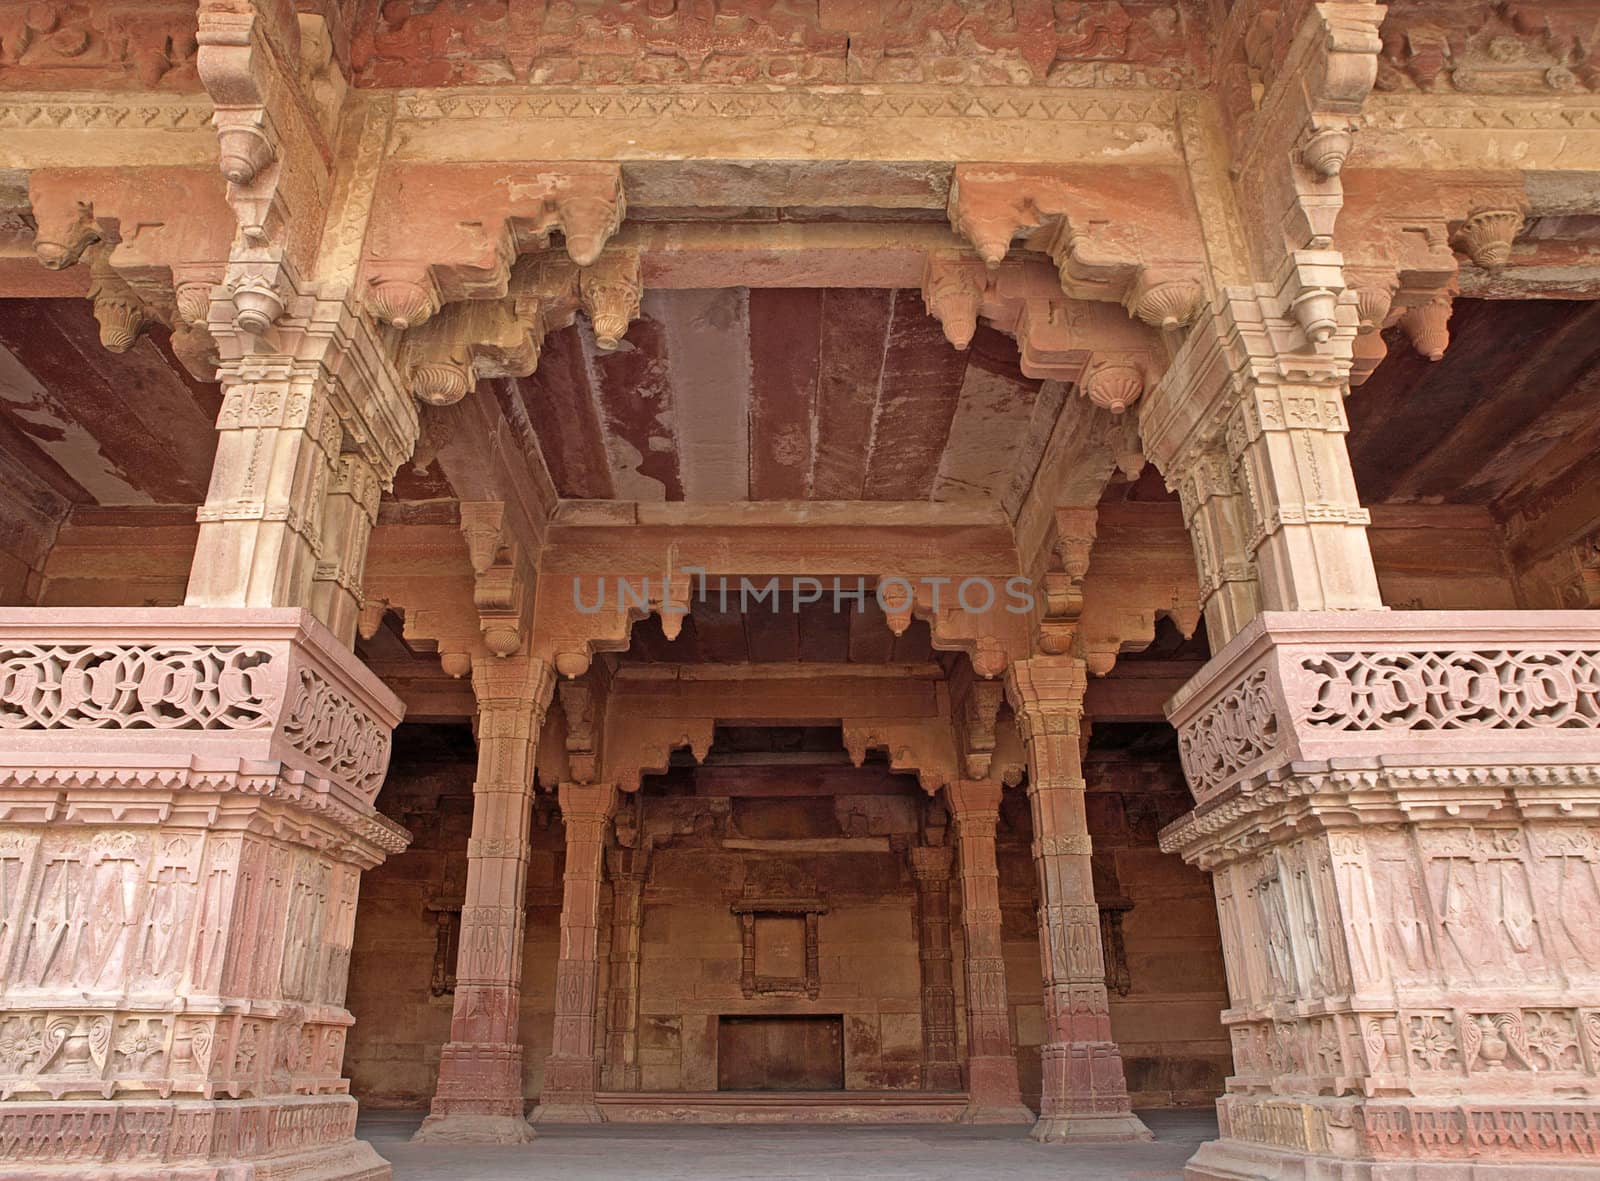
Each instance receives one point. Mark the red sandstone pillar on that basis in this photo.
(628, 868)
(993, 1096)
(930, 866)
(1085, 1097)
(479, 1095)
(571, 1071)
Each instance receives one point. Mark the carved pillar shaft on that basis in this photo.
(628, 870)
(1085, 1096)
(1306, 527)
(349, 513)
(571, 1071)
(479, 1096)
(993, 1093)
(1214, 511)
(261, 527)
(930, 867)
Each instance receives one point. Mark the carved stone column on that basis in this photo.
(1085, 1096)
(1401, 812)
(629, 869)
(1250, 432)
(349, 513)
(571, 1072)
(993, 1096)
(930, 867)
(186, 806)
(479, 1096)
(305, 439)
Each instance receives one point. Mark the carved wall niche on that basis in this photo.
(768, 928)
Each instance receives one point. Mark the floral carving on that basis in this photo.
(327, 725)
(1239, 728)
(1432, 1041)
(1463, 690)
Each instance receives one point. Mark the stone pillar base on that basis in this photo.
(1229, 1160)
(464, 1128)
(307, 1138)
(1483, 1139)
(992, 1094)
(992, 1114)
(563, 1112)
(1090, 1128)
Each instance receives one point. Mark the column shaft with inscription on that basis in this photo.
(1085, 1095)
(479, 1097)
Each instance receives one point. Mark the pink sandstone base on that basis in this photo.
(303, 1138)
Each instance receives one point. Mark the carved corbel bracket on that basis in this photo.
(925, 748)
(1125, 237)
(645, 745)
(1063, 583)
(273, 150)
(975, 704)
(964, 614)
(610, 292)
(583, 705)
(441, 233)
(146, 265)
(503, 587)
(581, 617)
(1108, 357)
(1405, 263)
(953, 289)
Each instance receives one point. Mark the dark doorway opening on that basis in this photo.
(780, 1053)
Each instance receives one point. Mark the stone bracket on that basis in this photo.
(441, 233)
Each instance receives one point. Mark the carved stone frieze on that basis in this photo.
(1138, 42)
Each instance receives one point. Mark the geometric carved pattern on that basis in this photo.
(136, 686)
(1455, 690)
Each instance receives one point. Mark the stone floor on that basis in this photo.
(649, 1153)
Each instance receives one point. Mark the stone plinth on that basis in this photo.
(1402, 815)
(185, 812)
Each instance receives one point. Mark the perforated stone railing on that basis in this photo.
(188, 692)
(1391, 687)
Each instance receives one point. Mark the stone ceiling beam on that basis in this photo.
(723, 123)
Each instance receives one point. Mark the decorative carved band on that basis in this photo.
(340, 736)
(1307, 688)
(1240, 728)
(256, 686)
(1455, 689)
(136, 686)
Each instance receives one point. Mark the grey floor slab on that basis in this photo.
(618, 1152)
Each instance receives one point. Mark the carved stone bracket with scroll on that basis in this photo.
(146, 266)
(504, 580)
(1404, 246)
(1124, 236)
(445, 233)
(1109, 359)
